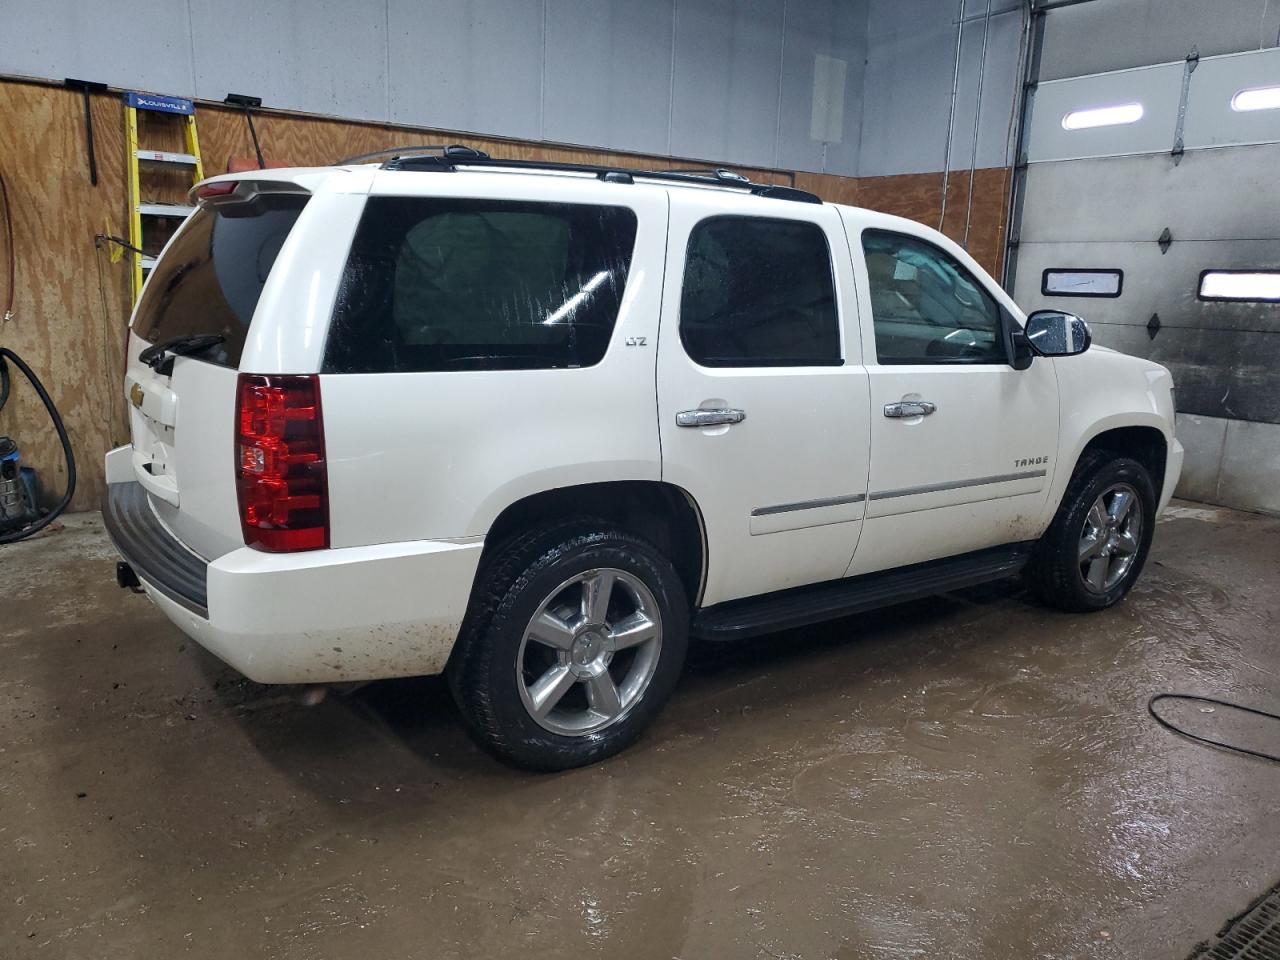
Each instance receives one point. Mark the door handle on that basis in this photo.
(909, 408)
(709, 418)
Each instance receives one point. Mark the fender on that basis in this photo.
(1100, 391)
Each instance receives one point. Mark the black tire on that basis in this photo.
(487, 662)
(1055, 575)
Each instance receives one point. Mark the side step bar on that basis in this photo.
(802, 606)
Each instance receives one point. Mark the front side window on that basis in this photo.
(759, 293)
(437, 284)
(927, 308)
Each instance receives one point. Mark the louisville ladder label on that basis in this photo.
(153, 101)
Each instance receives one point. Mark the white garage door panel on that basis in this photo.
(1156, 88)
(1135, 198)
(1210, 119)
(1153, 282)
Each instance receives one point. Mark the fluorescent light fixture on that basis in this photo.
(1121, 113)
(1256, 98)
(1240, 285)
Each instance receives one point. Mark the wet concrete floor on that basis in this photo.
(971, 776)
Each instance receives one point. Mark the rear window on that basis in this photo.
(456, 284)
(210, 278)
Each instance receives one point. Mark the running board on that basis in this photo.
(815, 603)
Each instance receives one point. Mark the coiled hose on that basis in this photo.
(13, 536)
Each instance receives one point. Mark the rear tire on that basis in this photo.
(1097, 545)
(575, 639)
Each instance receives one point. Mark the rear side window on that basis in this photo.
(211, 276)
(438, 284)
(759, 293)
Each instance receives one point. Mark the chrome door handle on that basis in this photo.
(910, 408)
(709, 418)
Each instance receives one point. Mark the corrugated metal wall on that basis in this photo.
(732, 81)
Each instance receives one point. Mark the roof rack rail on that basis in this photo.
(455, 150)
(445, 159)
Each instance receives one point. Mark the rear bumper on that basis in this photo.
(355, 613)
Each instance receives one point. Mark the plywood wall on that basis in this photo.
(72, 302)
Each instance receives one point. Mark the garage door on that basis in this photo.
(1152, 208)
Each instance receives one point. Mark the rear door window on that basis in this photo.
(211, 277)
(759, 293)
(437, 284)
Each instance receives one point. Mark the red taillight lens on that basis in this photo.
(281, 480)
(221, 188)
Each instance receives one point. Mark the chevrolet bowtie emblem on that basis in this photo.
(136, 395)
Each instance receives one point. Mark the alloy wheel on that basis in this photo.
(1110, 538)
(589, 652)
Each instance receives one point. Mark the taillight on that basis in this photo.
(222, 188)
(281, 481)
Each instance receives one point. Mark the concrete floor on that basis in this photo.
(967, 777)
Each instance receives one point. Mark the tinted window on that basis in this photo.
(759, 293)
(211, 277)
(447, 284)
(928, 308)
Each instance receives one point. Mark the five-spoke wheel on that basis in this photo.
(576, 638)
(1094, 550)
(589, 652)
(1111, 536)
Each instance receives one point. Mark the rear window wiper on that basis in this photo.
(156, 354)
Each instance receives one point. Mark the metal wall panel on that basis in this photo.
(1108, 35)
(608, 73)
(911, 57)
(467, 64)
(147, 48)
(320, 56)
(1157, 88)
(829, 28)
(728, 71)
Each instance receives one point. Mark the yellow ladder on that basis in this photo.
(139, 208)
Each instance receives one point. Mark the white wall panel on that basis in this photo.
(911, 57)
(473, 65)
(320, 56)
(1001, 78)
(608, 73)
(728, 68)
(728, 81)
(829, 28)
(146, 48)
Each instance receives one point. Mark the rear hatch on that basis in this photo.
(200, 300)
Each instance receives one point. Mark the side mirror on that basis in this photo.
(1052, 333)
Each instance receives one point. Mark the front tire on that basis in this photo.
(1097, 545)
(576, 638)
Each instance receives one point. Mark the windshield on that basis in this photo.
(211, 276)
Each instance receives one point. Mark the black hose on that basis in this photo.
(13, 536)
(1221, 745)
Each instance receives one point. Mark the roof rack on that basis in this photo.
(451, 157)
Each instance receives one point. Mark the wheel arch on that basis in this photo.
(663, 513)
(1145, 438)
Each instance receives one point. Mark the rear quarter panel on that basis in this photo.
(439, 455)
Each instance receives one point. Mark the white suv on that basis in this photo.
(535, 425)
